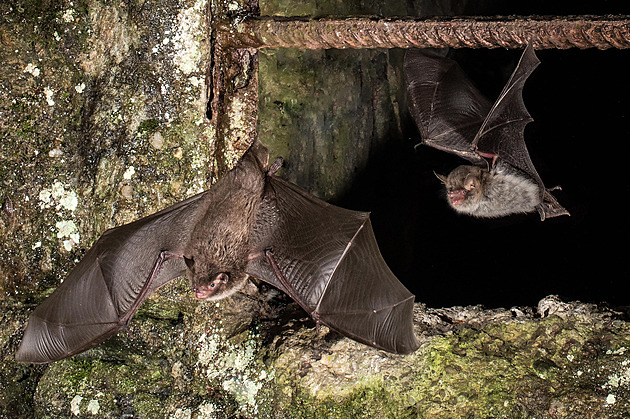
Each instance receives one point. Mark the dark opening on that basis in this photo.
(579, 139)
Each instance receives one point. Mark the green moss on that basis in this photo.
(365, 401)
(148, 126)
(513, 369)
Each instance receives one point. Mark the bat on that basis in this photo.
(250, 223)
(453, 116)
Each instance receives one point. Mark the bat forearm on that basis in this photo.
(285, 284)
(144, 291)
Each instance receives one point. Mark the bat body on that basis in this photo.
(490, 193)
(453, 116)
(250, 223)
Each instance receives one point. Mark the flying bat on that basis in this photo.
(250, 223)
(453, 116)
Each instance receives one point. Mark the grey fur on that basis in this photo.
(488, 194)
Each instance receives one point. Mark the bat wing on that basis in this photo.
(447, 108)
(105, 289)
(502, 131)
(330, 264)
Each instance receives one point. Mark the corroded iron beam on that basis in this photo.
(600, 32)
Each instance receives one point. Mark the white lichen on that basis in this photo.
(69, 201)
(32, 68)
(233, 6)
(236, 367)
(209, 349)
(93, 407)
(185, 42)
(80, 87)
(68, 16)
(208, 411)
(182, 413)
(49, 96)
(611, 399)
(55, 152)
(74, 405)
(243, 390)
(618, 351)
(67, 229)
(129, 172)
(620, 379)
(58, 196)
(196, 81)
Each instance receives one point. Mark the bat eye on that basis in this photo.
(189, 262)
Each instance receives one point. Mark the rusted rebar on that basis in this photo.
(561, 33)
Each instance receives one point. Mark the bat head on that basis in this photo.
(464, 185)
(214, 284)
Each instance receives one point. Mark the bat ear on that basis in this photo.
(221, 278)
(441, 177)
(471, 182)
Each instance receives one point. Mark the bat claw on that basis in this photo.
(275, 166)
(489, 155)
(128, 331)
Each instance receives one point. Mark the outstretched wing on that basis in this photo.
(105, 289)
(332, 267)
(502, 131)
(447, 108)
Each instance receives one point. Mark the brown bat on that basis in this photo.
(250, 223)
(453, 116)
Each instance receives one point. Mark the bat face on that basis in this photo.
(220, 286)
(249, 223)
(464, 186)
(216, 276)
(219, 247)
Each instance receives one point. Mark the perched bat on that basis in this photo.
(250, 223)
(453, 116)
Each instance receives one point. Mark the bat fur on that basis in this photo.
(491, 193)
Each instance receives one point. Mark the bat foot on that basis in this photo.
(488, 155)
(128, 331)
(275, 166)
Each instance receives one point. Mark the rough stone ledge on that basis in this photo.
(258, 355)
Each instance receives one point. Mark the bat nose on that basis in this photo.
(457, 196)
(202, 292)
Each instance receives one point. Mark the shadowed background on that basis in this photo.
(340, 119)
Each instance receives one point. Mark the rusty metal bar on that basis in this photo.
(364, 32)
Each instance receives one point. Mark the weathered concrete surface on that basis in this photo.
(332, 113)
(244, 357)
(102, 110)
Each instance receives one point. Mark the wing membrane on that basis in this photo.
(332, 263)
